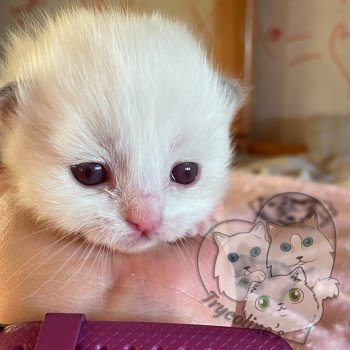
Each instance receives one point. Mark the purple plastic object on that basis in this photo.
(60, 331)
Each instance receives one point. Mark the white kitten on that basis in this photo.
(99, 113)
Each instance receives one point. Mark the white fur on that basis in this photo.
(134, 92)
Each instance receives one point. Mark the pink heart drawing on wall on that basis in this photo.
(340, 33)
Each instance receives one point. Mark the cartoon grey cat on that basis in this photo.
(300, 244)
(287, 303)
(241, 260)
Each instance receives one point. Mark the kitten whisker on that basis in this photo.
(76, 272)
(49, 258)
(55, 274)
(19, 271)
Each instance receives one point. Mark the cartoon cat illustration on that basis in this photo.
(300, 244)
(287, 303)
(241, 260)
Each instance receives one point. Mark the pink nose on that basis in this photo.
(144, 225)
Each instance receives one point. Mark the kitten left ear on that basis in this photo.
(8, 100)
(311, 220)
(272, 229)
(298, 274)
(220, 239)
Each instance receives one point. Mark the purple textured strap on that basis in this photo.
(133, 336)
(59, 331)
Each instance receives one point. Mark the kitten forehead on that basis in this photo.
(120, 76)
(138, 65)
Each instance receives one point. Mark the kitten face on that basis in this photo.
(135, 95)
(283, 303)
(243, 252)
(241, 260)
(297, 244)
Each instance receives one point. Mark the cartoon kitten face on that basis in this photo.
(121, 132)
(283, 303)
(245, 252)
(299, 244)
(241, 260)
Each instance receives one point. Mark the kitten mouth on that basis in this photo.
(137, 243)
(300, 263)
(282, 308)
(246, 272)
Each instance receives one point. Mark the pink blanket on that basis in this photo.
(243, 201)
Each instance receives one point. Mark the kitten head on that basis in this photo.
(297, 244)
(120, 128)
(242, 253)
(283, 303)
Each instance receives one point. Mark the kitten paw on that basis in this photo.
(326, 288)
(260, 276)
(255, 276)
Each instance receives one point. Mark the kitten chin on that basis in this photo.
(130, 100)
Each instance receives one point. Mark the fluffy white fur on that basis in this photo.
(134, 92)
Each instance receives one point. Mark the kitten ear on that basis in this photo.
(235, 91)
(298, 275)
(311, 220)
(8, 100)
(259, 230)
(272, 230)
(220, 239)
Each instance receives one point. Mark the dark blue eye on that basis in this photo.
(255, 252)
(233, 257)
(285, 247)
(184, 173)
(89, 174)
(307, 241)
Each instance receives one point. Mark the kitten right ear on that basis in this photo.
(259, 230)
(311, 220)
(235, 91)
(8, 100)
(272, 229)
(220, 239)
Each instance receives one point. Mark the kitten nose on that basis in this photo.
(299, 257)
(247, 267)
(143, 212)
(144, 225)
(280, 304)
(144, 219)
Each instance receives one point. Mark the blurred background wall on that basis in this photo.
(302, 67)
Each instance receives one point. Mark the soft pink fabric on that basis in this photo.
(333, 331)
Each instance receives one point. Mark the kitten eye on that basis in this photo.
(255, 252)
(89, 174)
(285, 247)
(262, 303)
(184, 173)
(233, 257)
(295, 295)
(307, 241)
